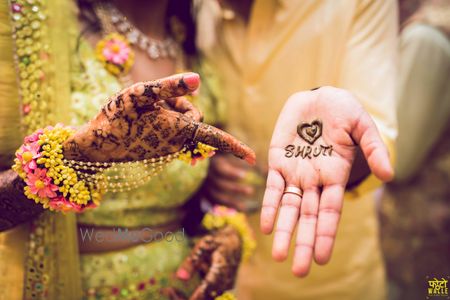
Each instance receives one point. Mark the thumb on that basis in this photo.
(223, 141)
(172, 86)
(367, 136)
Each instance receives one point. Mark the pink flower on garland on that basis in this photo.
(33, 137)
(62, 204)
(28, 155)
(220, 210)
(40, 184)
(116, 51)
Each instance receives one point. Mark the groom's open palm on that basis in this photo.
(313, 148)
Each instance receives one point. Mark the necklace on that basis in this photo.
(155, 49)
(115, 51)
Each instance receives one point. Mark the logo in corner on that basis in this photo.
(437, 287)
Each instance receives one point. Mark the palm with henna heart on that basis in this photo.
(147, 120)
(313, 148)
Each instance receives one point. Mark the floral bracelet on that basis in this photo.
(49, 181)
(221, 216)
(68, 185)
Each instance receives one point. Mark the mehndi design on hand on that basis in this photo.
(216, 257)
(147, 120)
(309, 132)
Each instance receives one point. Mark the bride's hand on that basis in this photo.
(146, 120)
(313, 149)
(216, 257)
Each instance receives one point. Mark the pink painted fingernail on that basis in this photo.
(191, 80)
(183, 274)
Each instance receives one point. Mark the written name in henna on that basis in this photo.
(307, 151)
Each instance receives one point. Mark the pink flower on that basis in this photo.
(16, 7)
(40, 184)
(33, 137)
(220, 210)
(26, 108)
(195, 158)
(116, 51)
(59, 203)
(28, 155)
(62, 204)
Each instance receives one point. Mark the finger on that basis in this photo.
(223, 141)
(225, 260)
(184, 106)
(215, 281)
(200, 292)
(287, 219)
(367, 136)
(221, 167)
(232, 187)
(306, 233)
(199, 253)
(271, 200)
(173, 86)
(172, 293)
(162, 89)
(220, 277)
(219, 197)
(330, 208)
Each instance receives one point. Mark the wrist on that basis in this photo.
(230, 221)
(75, 146)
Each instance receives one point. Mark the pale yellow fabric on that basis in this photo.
(289, 46)
(423, 97)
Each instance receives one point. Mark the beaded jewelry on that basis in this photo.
(69, 185)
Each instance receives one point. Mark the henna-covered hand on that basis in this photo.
(216, 257)
(146, 120)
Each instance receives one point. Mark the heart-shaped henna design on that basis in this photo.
(310, 132)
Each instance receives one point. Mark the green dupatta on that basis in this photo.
(42, 34)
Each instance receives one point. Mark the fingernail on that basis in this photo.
(191, 80)
(250, 159)
(242, 174)
(183, 274)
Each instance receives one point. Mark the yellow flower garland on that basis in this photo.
(201, 151)
(64, 177)
(221, 216)
(226, 296)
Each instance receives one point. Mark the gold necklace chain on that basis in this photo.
(110, 18)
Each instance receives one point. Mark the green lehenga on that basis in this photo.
(76, 85)
(142, 270)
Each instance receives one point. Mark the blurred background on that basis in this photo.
(414, 210)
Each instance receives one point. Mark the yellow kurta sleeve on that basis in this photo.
(423, 96)
(369, 70)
